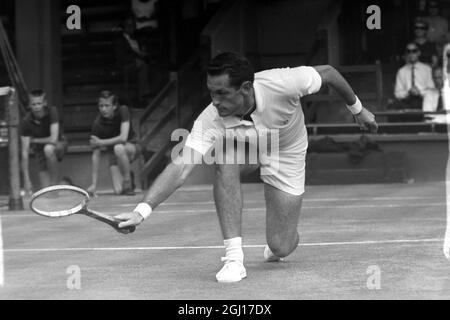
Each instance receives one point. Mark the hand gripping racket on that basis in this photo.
(62, 201)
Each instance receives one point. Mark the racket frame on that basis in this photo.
(62, 213)
(80, 208)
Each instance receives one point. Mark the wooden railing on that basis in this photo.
(325, 46)
(182, 98)
(384, 128)
(167, 90)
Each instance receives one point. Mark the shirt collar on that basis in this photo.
(233, 121)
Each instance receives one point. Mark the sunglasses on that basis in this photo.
(411, 51)
(421, 28)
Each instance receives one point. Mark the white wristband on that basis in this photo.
(143, 209)
(356, 107)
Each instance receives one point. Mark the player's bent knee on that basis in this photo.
(282, 248)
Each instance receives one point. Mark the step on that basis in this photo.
(89, 89)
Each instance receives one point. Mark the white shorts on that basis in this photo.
(289, 174)
(284, 170)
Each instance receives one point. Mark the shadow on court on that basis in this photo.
(357, 242)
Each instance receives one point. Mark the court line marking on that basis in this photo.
(312, 244)
(446, 242)
(367, 206)
(438, 204)
(304, 200)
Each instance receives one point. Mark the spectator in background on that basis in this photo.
(113, 134)
(147, 25)
(134, 62)
(438, 26)
(41, 132)
(414, 85)
(421, 8)
(428, 52)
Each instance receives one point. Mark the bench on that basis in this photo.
(384, 128)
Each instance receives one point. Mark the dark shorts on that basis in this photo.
(60, 151)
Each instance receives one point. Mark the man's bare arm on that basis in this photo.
(173, 177)
(330, 76)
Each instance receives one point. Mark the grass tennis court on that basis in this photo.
(344, 230)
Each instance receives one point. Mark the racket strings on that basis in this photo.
(57, 203)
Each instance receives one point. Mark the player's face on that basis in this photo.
(227, 99)
(106, 107)
(37, 105)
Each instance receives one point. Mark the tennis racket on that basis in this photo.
(62, 201)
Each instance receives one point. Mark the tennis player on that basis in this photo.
(41, 132)
(243, 100)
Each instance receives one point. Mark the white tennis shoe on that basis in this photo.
(232, 271)
(270, 256)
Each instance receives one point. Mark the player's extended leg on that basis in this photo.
(282, 215)
(228, 199)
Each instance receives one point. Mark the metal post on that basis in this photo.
(12, 107)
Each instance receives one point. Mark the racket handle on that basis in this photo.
(109, 220)
(125, 230)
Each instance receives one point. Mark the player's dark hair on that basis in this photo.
(106, 94)
(236, 66)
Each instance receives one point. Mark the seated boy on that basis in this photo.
(42, 133)
(112, 132)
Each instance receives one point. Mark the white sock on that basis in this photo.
(233, 249)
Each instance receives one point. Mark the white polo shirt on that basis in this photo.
(277, 94)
